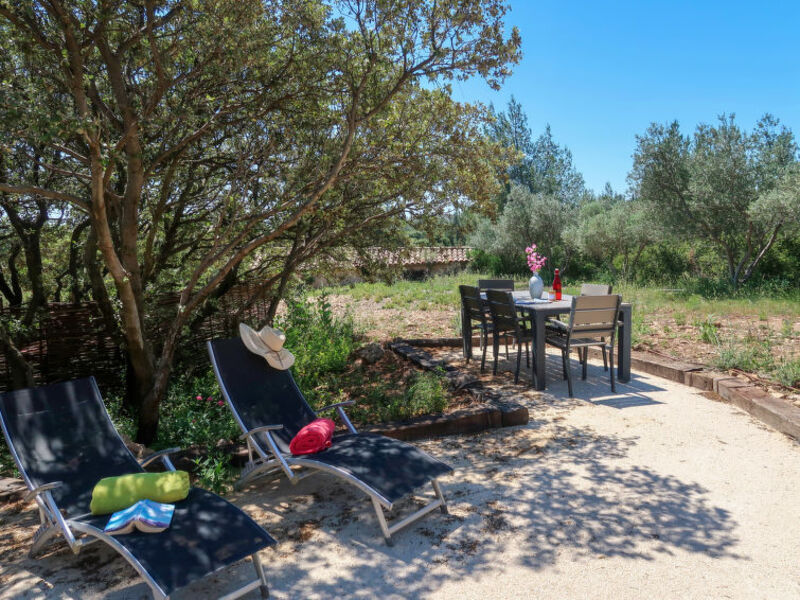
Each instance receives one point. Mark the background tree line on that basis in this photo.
(721, 204)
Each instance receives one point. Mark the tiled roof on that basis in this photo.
(419, 255)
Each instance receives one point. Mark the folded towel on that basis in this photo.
(314, 437)
(116, 493)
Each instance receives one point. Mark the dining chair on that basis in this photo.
(597, 289)
(592, 319)
(474, 311)
(506, 321)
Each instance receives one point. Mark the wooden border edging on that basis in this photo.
(777, 414)
(493, 412)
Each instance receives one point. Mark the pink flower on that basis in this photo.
(199, 398)
(220, 403)
(209, 399)
(535, 260)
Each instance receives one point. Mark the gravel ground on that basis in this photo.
(654, 492)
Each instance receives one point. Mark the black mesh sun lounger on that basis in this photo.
(64, 442)
(270, 409)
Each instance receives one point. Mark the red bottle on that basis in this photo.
(557, 284)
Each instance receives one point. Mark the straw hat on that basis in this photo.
(267, 343)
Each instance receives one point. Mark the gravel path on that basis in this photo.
(655, 492)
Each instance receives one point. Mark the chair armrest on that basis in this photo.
(45, 487)
(262, 429)
(558, 324)
(163, 455)
(337, 405)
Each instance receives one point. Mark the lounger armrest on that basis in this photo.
(163, 455)
(45, 487)
(339, 406)
(558, 324)
(262, 429)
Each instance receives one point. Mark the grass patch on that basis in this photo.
(389, 390)
(788, 373)
(436, 293)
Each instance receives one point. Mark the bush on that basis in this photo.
(788, 373)
(320, 342)
(751, 355)
(215, 472)
(194, 413)
(424, 395)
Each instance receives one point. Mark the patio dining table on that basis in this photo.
(538, 310)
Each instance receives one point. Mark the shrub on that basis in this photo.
(320, 342)
(426, 394)
(788, 372)
(194, 413)
(215, 472)
(751, 355)
(708, 330)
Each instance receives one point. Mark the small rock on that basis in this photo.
(459, 380)
(371, 353)
(138, 450)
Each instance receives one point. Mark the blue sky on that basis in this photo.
(601, 72)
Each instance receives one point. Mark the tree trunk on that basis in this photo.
(33, 262)
(147, 428)
(21, 371)
(11, 289)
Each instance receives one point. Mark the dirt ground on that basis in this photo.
(653, 492)
(663, 334)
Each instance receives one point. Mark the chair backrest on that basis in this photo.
(257, 394)
(594, 316)
(503, 311)
(62, 432)
(471, 303)
(496, 284)
(595, 289)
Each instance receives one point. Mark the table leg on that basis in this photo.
(624, 345)
(539, 358)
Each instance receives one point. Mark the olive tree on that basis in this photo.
(201, 137)
(613, 228)
(733, 189)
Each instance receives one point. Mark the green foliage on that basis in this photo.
(751, 354)
(320, 342)
(737, 191)
(425, 394)
(788, 372)
(708, 330)
(527, 218)
(7, 466)
(543, 166)
(215, 472)
(613, 229)
(247, 137)
(194, 413)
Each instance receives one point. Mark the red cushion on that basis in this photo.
(314, 437)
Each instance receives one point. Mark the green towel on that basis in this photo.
(116, 493)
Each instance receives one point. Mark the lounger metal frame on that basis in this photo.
(53, 523)
(297, 468)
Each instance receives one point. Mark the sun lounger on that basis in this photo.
(270, 409)
(63, 443)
